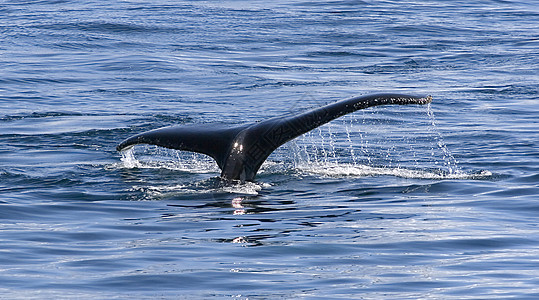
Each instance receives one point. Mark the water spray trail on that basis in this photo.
(349, 140)
(449, 160)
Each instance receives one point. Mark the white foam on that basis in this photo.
(331, 169)
(246, 188)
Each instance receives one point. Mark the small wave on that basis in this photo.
(107, 27)
(334, 54)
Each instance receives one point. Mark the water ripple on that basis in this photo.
(389, 202)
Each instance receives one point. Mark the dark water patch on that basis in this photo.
(39, 80)
(11, 211)
(136, 63)
(69, 128)
(162, 7)
(337, 54)
(533, 179)
(82, 46)
(106, 26)
(40, 115)
(173, 281)
(508, 90)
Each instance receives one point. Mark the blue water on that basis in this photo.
(396, 202)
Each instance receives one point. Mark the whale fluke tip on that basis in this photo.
(404, 100)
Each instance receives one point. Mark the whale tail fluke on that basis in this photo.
(240, 151)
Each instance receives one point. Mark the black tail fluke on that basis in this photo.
(240, 151)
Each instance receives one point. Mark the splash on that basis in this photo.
(386, 142)
(153, 157)
(128, 159)
(358, 170)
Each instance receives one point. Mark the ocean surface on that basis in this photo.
(396, 202)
